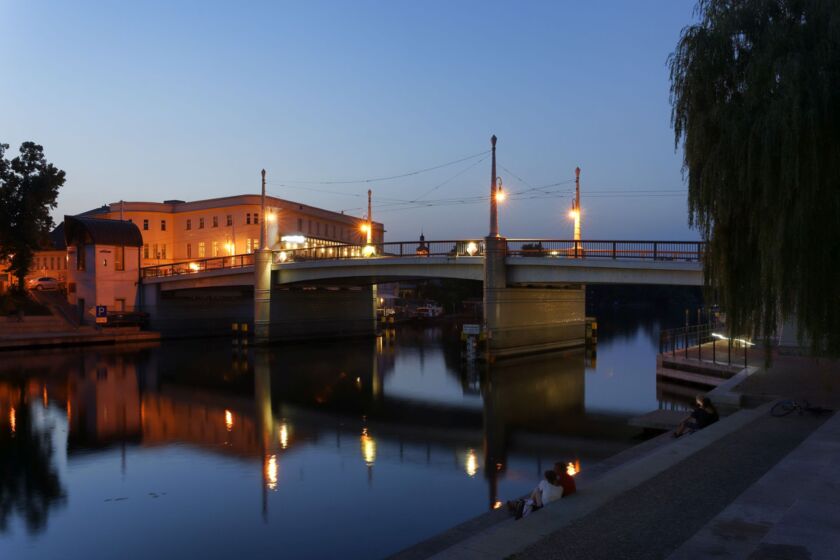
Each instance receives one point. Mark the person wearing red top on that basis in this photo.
(565, 480)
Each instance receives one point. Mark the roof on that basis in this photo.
(101, 232)
(57, 241)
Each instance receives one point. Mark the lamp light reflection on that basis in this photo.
(472, 463)
(271, 472)
(12, 419)
(228, 420)
(368, 448)
(284, 435)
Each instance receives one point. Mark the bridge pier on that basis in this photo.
(525, 320)
(262, 296)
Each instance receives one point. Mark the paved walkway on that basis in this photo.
(792, 512)
(655, 518)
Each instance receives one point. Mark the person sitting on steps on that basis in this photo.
(547, 491)
(703, 415)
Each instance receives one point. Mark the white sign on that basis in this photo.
(471, 329)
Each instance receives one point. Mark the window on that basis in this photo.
(145, 225)
(215, 221)
(52, 263)
(229, 220)
(155, 252)
(146, 251)
(300, 225)
(163, 225)
(310, 227)
(248, 218)
(189, 251)
(201, 223)
(215, 248)
(256, 218)
(163, 251)
(201, 252)
(256, 244)
(318, 228)
(119, 304)
(80, 257)
(248, 246)
(119, 257)
(189, 224)
(333, 231)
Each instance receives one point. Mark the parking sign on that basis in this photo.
(101, 313)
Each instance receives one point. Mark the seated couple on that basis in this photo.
(556, 484)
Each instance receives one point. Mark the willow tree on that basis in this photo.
(755, 96)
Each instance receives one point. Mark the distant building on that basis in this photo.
(175, 230)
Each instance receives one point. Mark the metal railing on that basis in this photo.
(449, 248)
(685, 251)
(691, 251)
(197, 265)
(704, 342)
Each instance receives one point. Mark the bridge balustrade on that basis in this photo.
(683, 251)
(198, 265)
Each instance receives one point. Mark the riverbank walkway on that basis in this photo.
(751, 486)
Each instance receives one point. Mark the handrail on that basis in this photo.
(683, 251)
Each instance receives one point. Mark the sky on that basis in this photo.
(190, 99)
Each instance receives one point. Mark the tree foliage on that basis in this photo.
(755, 95)
(28, 191)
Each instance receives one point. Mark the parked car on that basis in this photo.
(44, 283)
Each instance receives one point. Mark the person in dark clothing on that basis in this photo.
(704, 414)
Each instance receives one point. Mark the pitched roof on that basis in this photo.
(101, 232)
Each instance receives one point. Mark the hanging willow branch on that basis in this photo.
(755, 96)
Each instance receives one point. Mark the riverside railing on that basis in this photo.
(704, 341)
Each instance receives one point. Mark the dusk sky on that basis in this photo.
(189, 100)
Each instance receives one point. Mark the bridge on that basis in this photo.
(534, 295)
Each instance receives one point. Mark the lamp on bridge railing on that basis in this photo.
(282, 256)
(472, 248)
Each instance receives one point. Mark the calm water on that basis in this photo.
(352, 449)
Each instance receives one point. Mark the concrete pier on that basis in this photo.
(524, 320)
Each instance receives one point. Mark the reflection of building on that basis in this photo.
(175, 230)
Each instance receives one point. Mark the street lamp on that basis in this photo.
(500, 193)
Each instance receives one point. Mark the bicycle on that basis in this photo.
(783, 408)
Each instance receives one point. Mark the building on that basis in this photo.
(104, 264)
(50, 261)
(175, 230)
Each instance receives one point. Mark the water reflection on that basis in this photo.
(404, 407)
(29, 481)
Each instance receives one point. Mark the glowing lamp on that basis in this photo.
(368, 251)
(282, 256)
(472, 248)
(500, 195)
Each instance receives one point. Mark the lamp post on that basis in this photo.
(263, 237)
(494, 216)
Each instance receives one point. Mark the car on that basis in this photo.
(44, 283)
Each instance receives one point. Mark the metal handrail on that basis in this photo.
(683, 251)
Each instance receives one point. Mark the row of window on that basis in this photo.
(156, 252)
(328, 230)
(49, 263)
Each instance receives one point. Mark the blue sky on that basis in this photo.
(158, 100)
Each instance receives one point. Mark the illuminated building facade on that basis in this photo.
(175, 230)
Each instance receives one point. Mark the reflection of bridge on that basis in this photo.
(533, 288)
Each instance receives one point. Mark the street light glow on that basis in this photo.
(500, 195)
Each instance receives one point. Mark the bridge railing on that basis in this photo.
(197, 265)
(449, 248)
(691, 251)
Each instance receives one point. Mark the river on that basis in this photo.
(352, 449)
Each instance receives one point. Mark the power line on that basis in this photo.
(389, 177)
